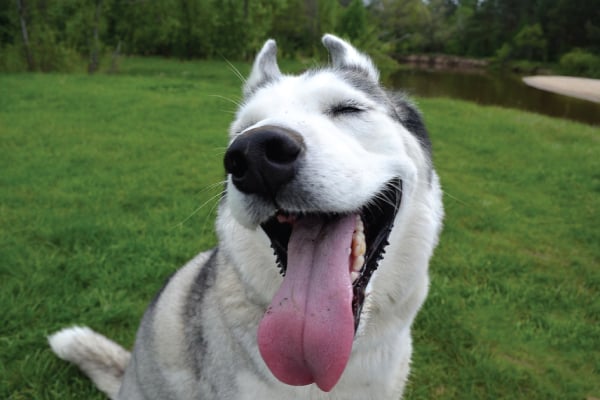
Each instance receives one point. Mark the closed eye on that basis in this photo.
(346, 108)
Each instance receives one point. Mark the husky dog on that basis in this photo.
(331, 214)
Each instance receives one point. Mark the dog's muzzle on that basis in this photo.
(263, 159)
(327, 258)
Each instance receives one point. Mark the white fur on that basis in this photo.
(101, 359)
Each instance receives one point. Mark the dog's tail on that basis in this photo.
(101, 359)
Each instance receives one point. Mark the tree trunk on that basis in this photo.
(114, 64)
(21, 10)
(93, 66)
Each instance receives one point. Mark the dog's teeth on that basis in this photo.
(358, 263)
(360, 226)
(354, 276)
(359, 247)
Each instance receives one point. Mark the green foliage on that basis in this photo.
(353, 22)
(402, 23)
(293, 38)
(504, 53)
(581, 63)
(537, 30)
(533, 30)
(109, 183)
(530, 43)
(440, 28)
(51, 54)
(12, 59)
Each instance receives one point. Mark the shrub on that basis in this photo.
(12, 59)
(581, 63)
(47, 54)
(530, 43)
(504, 53)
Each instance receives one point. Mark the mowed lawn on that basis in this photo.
(109, 183)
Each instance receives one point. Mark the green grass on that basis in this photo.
(101, 189)
(514, 310)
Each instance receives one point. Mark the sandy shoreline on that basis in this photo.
(582, 88)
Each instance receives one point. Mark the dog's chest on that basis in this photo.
(374, 376)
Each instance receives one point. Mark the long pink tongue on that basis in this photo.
(307, 332)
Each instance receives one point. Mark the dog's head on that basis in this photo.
(322, 163)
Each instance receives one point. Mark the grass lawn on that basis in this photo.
(109, 184)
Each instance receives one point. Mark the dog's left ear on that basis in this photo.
(344, 55)
(265, 68)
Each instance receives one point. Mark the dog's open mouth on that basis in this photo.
(328, 259)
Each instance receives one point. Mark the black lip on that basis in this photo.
(379, 220)
(378, 217)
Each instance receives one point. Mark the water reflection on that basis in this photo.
(498, 89)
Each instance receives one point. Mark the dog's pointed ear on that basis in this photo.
(265, 68)
(344, 55)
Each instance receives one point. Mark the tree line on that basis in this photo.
(52, 34)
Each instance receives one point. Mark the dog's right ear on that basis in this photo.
(265, 68)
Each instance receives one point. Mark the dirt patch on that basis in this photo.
(581, 88)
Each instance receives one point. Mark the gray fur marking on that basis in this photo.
(193, 312)
(399, 107)
(265, 69)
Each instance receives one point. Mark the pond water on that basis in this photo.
(496, 89)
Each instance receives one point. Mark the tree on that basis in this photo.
(440, 27)
(95, 45)
(353, 22)
(567, 24)
(402, 23)
(55, 35)
(25, 34)
(530, 43)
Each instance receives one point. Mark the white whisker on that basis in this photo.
(235, 71)
(211, 212)
(218, 96)
(210, 200)
(456, 199)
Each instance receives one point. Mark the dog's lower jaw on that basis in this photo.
(374, 222)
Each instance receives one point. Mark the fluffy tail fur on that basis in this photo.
(101, 359)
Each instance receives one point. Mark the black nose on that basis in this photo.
(264, 159)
